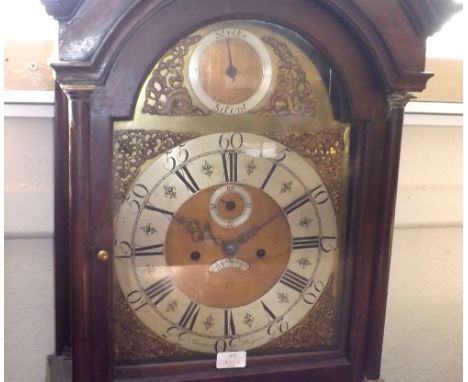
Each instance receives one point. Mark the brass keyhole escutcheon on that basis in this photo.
(102, 255)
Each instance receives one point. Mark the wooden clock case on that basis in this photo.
(105, 52)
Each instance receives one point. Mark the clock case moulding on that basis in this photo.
(105, 50)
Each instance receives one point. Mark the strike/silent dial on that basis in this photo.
(230, 71)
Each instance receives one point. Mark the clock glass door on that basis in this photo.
(230, 195)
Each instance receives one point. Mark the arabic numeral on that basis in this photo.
(136, 300)
(233, 141)
(220, 346)
(313, 293)
(139, 191)
(319, 194)
(278, 328)
(175, 157)
(280, 154)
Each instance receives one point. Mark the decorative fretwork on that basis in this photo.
(326, 149)
(315, 330)
(134, 342)
(132, 148)
(293, 93)
(165, 93)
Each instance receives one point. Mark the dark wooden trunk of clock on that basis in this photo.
(83, 155)
(62, 227)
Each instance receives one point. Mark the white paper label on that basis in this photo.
(229, 360)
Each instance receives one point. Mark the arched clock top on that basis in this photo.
(93, 33)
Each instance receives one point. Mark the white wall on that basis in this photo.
(28, 262)
(424, 319)
(423, 337)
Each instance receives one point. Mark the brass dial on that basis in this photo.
(225, 242)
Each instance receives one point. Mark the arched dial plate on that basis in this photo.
(225, 242)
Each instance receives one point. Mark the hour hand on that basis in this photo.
(199, 231)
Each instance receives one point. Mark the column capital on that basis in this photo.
(78, 91)
(398, 100)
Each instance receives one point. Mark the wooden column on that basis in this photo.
(79, 207)
(61, 226)
(378, 295)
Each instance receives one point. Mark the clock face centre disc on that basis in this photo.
(227, 270)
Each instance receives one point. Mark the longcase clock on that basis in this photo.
(225, 185)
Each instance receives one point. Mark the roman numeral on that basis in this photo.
(156, 209)
(299, 202)
(306, 242)
(190, 316)
(157, 291)
(294, 281)
(268, 311)
(150, 250)
(229, 328)
(270, 173)
(230, 166)
(185, 176)
(160, 290)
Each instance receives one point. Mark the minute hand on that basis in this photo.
(247, 235)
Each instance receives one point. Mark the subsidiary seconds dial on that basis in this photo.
(230, 205)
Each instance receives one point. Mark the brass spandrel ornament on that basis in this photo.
(316, 330)
(133, 341)
(133, 148)
(293, 94)
(166, 93)
(327, 150)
